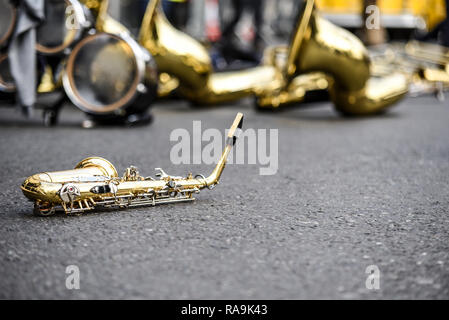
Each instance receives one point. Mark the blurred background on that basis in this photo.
(105, 81)
(241, 29)
(208, 19)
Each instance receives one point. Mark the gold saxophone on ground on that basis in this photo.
(95, 183)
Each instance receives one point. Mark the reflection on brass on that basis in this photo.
(167, 84)
(93, 5)
(95, 183)
(431, 53)
(321, 54)
(106, 23)
(295, 91)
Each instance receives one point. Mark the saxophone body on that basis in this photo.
(94, 183)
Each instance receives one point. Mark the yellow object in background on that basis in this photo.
(432, 11)
(47, 84)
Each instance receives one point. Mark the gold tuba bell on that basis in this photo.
(319, 45)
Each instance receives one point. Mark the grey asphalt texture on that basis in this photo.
(349, 193)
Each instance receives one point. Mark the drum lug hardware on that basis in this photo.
(142, 88)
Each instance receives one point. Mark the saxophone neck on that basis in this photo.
(233, 134)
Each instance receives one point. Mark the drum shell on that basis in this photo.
(137, 99)
(83, 20)
(6, 34)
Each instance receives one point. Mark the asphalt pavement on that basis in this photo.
(348, 194)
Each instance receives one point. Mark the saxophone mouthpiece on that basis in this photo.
(233, 135)
(235, 130)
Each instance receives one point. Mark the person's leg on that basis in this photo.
(237, 8)
(258, 22)
(432, 34)
(142, 9)
(185, 13)
(181, 14)
(445, 28)
(444, 35)
(177, 7)
(439, 28)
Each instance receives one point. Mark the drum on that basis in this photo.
(6, 79)
(48, 75)
(110, 76)
(65, 24)
(8, 17)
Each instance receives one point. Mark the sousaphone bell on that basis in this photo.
(319, 45)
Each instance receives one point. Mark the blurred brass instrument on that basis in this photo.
(318, 45)
(95, 183)
(104, 22)
(321, 55)
(425, 65)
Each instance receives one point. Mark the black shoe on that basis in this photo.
(27, 111)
